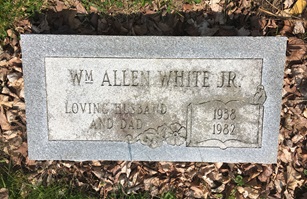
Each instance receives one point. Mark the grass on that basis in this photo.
(57, 192)
(102, 6)
(121, 195)
(11, 180)
(18, 185)
(127, 6)
(239, 182)
(12, 10)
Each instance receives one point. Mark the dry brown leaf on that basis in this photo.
(16, 61)
(251, 193)
(30, 162)
(199, 7)
(93, 9)
(6, 90)
(3, 73)
(208, 181)
(23, 149)
(187, 7)
(5, 125)
(22, 93)
(298, 28)
(294, 41)
(265, 175)
(19, 104)
(219, 189)
(297, 138)
(285, 156)
(293, 179)
(4, 100)
(288, 3)
(218, 165)
(10, 33)
(4, 193)
(240, 189)
(150, 182)
(3, 63)
(13, 76)
(297, 53)
(4, 57)
(165, 167)
(59, 6)
(150, 12)
(134, 177)
(122, 179)
(108, 187)
(197, 192)
(80, 8)
(16, 160)
(96, 163)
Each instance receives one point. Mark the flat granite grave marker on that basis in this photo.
(213, 99)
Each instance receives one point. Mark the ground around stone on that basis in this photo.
(286, 179)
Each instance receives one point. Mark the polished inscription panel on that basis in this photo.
(179, 102)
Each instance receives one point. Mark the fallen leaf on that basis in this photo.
(152, 181)
(59, 6)
(285, 156)
(293, 179)
(23, 149)
(288, 3)
(96, 163)
(218, 165)
(298, 28)
(97, 172)
(219, 189)
(186, 7)
(251, 193)
(30, 162)
(93, 9)
(287, 28)
(80, 8)
(296, 48)
(5, 125)
(298, 7)
(4, 193)
(209, 181)
(265, 175)
(13, 76)
(198, 193)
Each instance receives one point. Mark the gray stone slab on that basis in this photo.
(208, 99)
